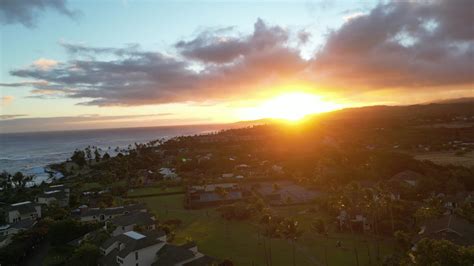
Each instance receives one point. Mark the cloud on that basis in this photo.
(6, 100)
(26, 12)
(422, 47)
(137, 77)
(354, 15)
(5, 117)
(44, 64)
(19, 123)
(395, 46)
(213, 47)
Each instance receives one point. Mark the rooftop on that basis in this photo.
(134, 235)
(137, 218)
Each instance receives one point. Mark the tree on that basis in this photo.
(318, 226)
(64, 231)
(442, 252)
(291, 232)
(86, 254)
(97, 155)
(79, 158)
(19, 180)
(106, 156)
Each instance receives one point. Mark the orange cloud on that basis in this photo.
(6, 100)
(45, 64)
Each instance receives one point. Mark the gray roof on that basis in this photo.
(407, 175)
(450, 227)
(214, 196)
(137, 218)
(114, 210)
(137, 244)
(169, 255)
(57, 194)
(132, 244)
(202, 261)
(23, 224)
(27, 207)
(109, 259)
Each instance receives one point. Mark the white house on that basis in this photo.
(169, 174)
(150, 248)
(132, 248)
(57, 193)
(105, 214)
(129, 222)
(7, 231)
(23, 211)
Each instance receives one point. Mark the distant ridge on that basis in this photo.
(456, 100)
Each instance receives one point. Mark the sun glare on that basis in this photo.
(289, 106)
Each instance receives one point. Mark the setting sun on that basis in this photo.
(289, 106)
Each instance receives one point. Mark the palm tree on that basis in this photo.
(292, 232)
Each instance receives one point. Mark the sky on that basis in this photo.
(103, 64)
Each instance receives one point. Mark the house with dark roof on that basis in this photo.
(7, 231)
(105, 214)
(187, 254)
(130, 221)
(449, 227)
(150, 248)
(408, 177)
(132, 248)
(214, 194)
(56, 193)
(26, 210)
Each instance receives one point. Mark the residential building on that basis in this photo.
(130, 222)
(450, 227)
(22, 211)
(214, 194)
(7, 231)
(187, 254)
(58, 194)
(132, 248)
(105, 214)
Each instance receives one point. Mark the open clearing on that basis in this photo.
(445, 158)
(242, 243)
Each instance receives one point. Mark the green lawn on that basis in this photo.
(153, 190)
(240, 241)
(445, 158)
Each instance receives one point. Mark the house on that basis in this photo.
(132, 248)
(228, 175)
(187, 254)
(214, 194)
(105, 214)
(408, 176)
(130, 221)
(89, 236)
(7, 231)
(354, 221)
(23, 211)
(57, 193)
(450, 227)
(451, 202)
(169, 174)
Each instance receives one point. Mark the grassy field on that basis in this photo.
(154, 190)
(445, 158)
(242, 243)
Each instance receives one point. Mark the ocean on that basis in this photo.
(31, 152)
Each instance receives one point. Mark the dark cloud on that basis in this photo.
(137, 77)
(4, 117)
(402, 44)
(213, 47)
(19, 123)
(26, 12)
(413, 45)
